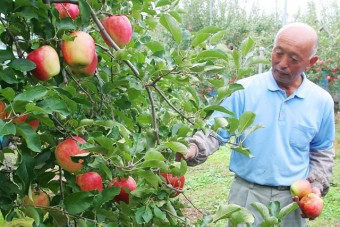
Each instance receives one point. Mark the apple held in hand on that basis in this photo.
(89, 70)
(300, 188)
(47, 62)
(89, 181)
(67, 10)
(124, 183)
(176, 182)
(65, 150)
(311, 205)
(119, 28)
(79, 52)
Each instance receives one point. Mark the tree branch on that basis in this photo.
(154, 114)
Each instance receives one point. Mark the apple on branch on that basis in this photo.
(87, 71)
(47, 62)
(67, 10)
(175, 182)
(119, 28)
(125, 184)
(68, 148)
(89, 181)
(78, 53)
(3, 113)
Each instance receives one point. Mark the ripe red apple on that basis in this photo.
(34, 124)
(311, 205)
(123, 183)
(21, 119)
(40, 198)
(47, 62)
(300, 188)
(68, 148)
(89, 70)
(3, 114)
(67, 10)
(89, 181)
(119, 28)
(79, 52)
(176, 182)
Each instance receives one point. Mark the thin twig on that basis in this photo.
(154, 114)
(171, 105)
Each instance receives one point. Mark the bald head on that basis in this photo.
(300, 34)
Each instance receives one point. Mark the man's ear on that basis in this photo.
(312, 61)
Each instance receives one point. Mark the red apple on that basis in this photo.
(124, 184)
(21, 119)
(176, 182)
(89, 181)
(311, 205)
(119, 28)
(34, 124)
(47, 62)
(40, 198)
(79, 52)
(3, 114)
(300, 188)
(67, 10)
(89, 70)
(65, 150)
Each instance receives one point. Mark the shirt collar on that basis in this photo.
(301, 92)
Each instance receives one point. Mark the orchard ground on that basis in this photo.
(207, 187)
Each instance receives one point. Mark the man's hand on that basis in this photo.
(192, 150)
(296, 199)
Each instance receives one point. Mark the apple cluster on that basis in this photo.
(78, 50)
(310, 204)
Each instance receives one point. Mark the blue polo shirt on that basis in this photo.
(293, 126)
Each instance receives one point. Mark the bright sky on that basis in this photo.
(278, 5)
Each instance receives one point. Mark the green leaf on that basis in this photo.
(242, 216)
(225, 211)
(85, 10)
(25, 170)
(159, 213)
(217, 37)
(32, 94)
(78, 202)
(199, 38)
(22, 65)
(31, 137)
(212, 54)
(287, 210)
(210, 29)
(163, 3)
(219, 122)
(262, 209)
(150, 177)
(172, 26)
(6, 55)
(155, 164)
(155, 46)
(236, 58)
(7, 128)
(154, 155)
(243, 150)
(274, 208)
(246, 119)
(177, 147)
(247, 45)
(8, 93)
(105, 196)
(218, 108)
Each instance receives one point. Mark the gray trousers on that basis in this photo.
(244, 193)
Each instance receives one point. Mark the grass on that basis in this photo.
(208, 184)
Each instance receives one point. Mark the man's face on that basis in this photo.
(290, 57)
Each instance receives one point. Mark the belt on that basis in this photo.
(280, 188)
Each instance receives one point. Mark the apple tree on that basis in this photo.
(96, 100)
